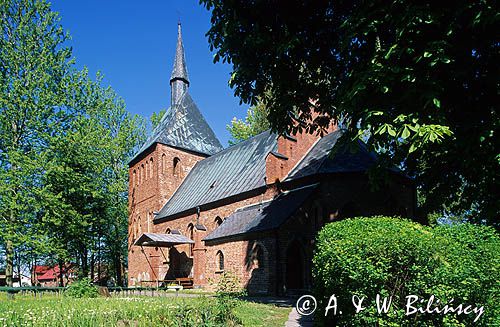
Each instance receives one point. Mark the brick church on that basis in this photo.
(198, 209)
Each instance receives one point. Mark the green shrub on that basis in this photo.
(227, 290)
(396, 257)
(82, 288)
(228, 284)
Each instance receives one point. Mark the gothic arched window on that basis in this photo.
(139, 227)
(220, 260)
(134, 230)
(218, 221)
(176, 166)
(190, 230)
(151, 168)
(258, 256)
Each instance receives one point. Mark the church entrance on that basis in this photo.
(294, 266)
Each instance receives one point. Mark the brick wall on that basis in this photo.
(291, 150)
(204, 257)
(337, 197)
(152, 180)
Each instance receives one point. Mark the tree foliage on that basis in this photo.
(397, 258)
(36, 79)
(64, 145)
(255, 123)
(156, 118)
(420, 79)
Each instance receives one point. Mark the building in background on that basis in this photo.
(51, 276)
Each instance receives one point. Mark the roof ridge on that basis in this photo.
(323, 159)
(250, 206)
(237, 145)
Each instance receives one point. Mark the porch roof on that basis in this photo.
(162, 240)
(264, 216)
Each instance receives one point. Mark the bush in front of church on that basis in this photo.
(82, 288)
(392, 257)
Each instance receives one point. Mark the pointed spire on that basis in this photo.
(179, 80)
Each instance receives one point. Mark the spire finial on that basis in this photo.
(179, 80)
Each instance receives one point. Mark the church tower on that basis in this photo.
(182, 138)
(179, 80)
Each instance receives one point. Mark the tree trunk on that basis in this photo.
(85, 263)
(33, 274)
(99, 263)
(92, 264)
(19, 268)
(61, 279)
(9, 263)
(117, 262)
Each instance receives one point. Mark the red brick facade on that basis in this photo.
(152, 180)
(270, 262)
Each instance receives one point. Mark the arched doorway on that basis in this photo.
(294, 266)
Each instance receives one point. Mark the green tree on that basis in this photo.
(88, 220)
(126, 133)
(36, 101)
(156, 118)
(65, 142)
(420, 79)
(255, 123)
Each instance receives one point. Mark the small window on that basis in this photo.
(134, 178)
(151, 169)
(146, 173)
(220, 260)
(260, 257)
(167, 231)
(191, 236)
(176, 166)
(218, 221)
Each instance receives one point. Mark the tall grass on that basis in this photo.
(134, 311)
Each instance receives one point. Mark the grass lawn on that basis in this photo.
(257, 314)
(136, 311)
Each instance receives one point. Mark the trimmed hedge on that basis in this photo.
(396, 257)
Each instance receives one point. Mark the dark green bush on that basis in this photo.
(82, 288)
(396, 257)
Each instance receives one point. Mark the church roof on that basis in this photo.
(242, 168)
(235, 170)
(264, 216)
(180, 68)
(183, 126)
(319, 160)
(152, 239)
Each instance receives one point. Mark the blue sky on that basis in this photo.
(133, 44)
